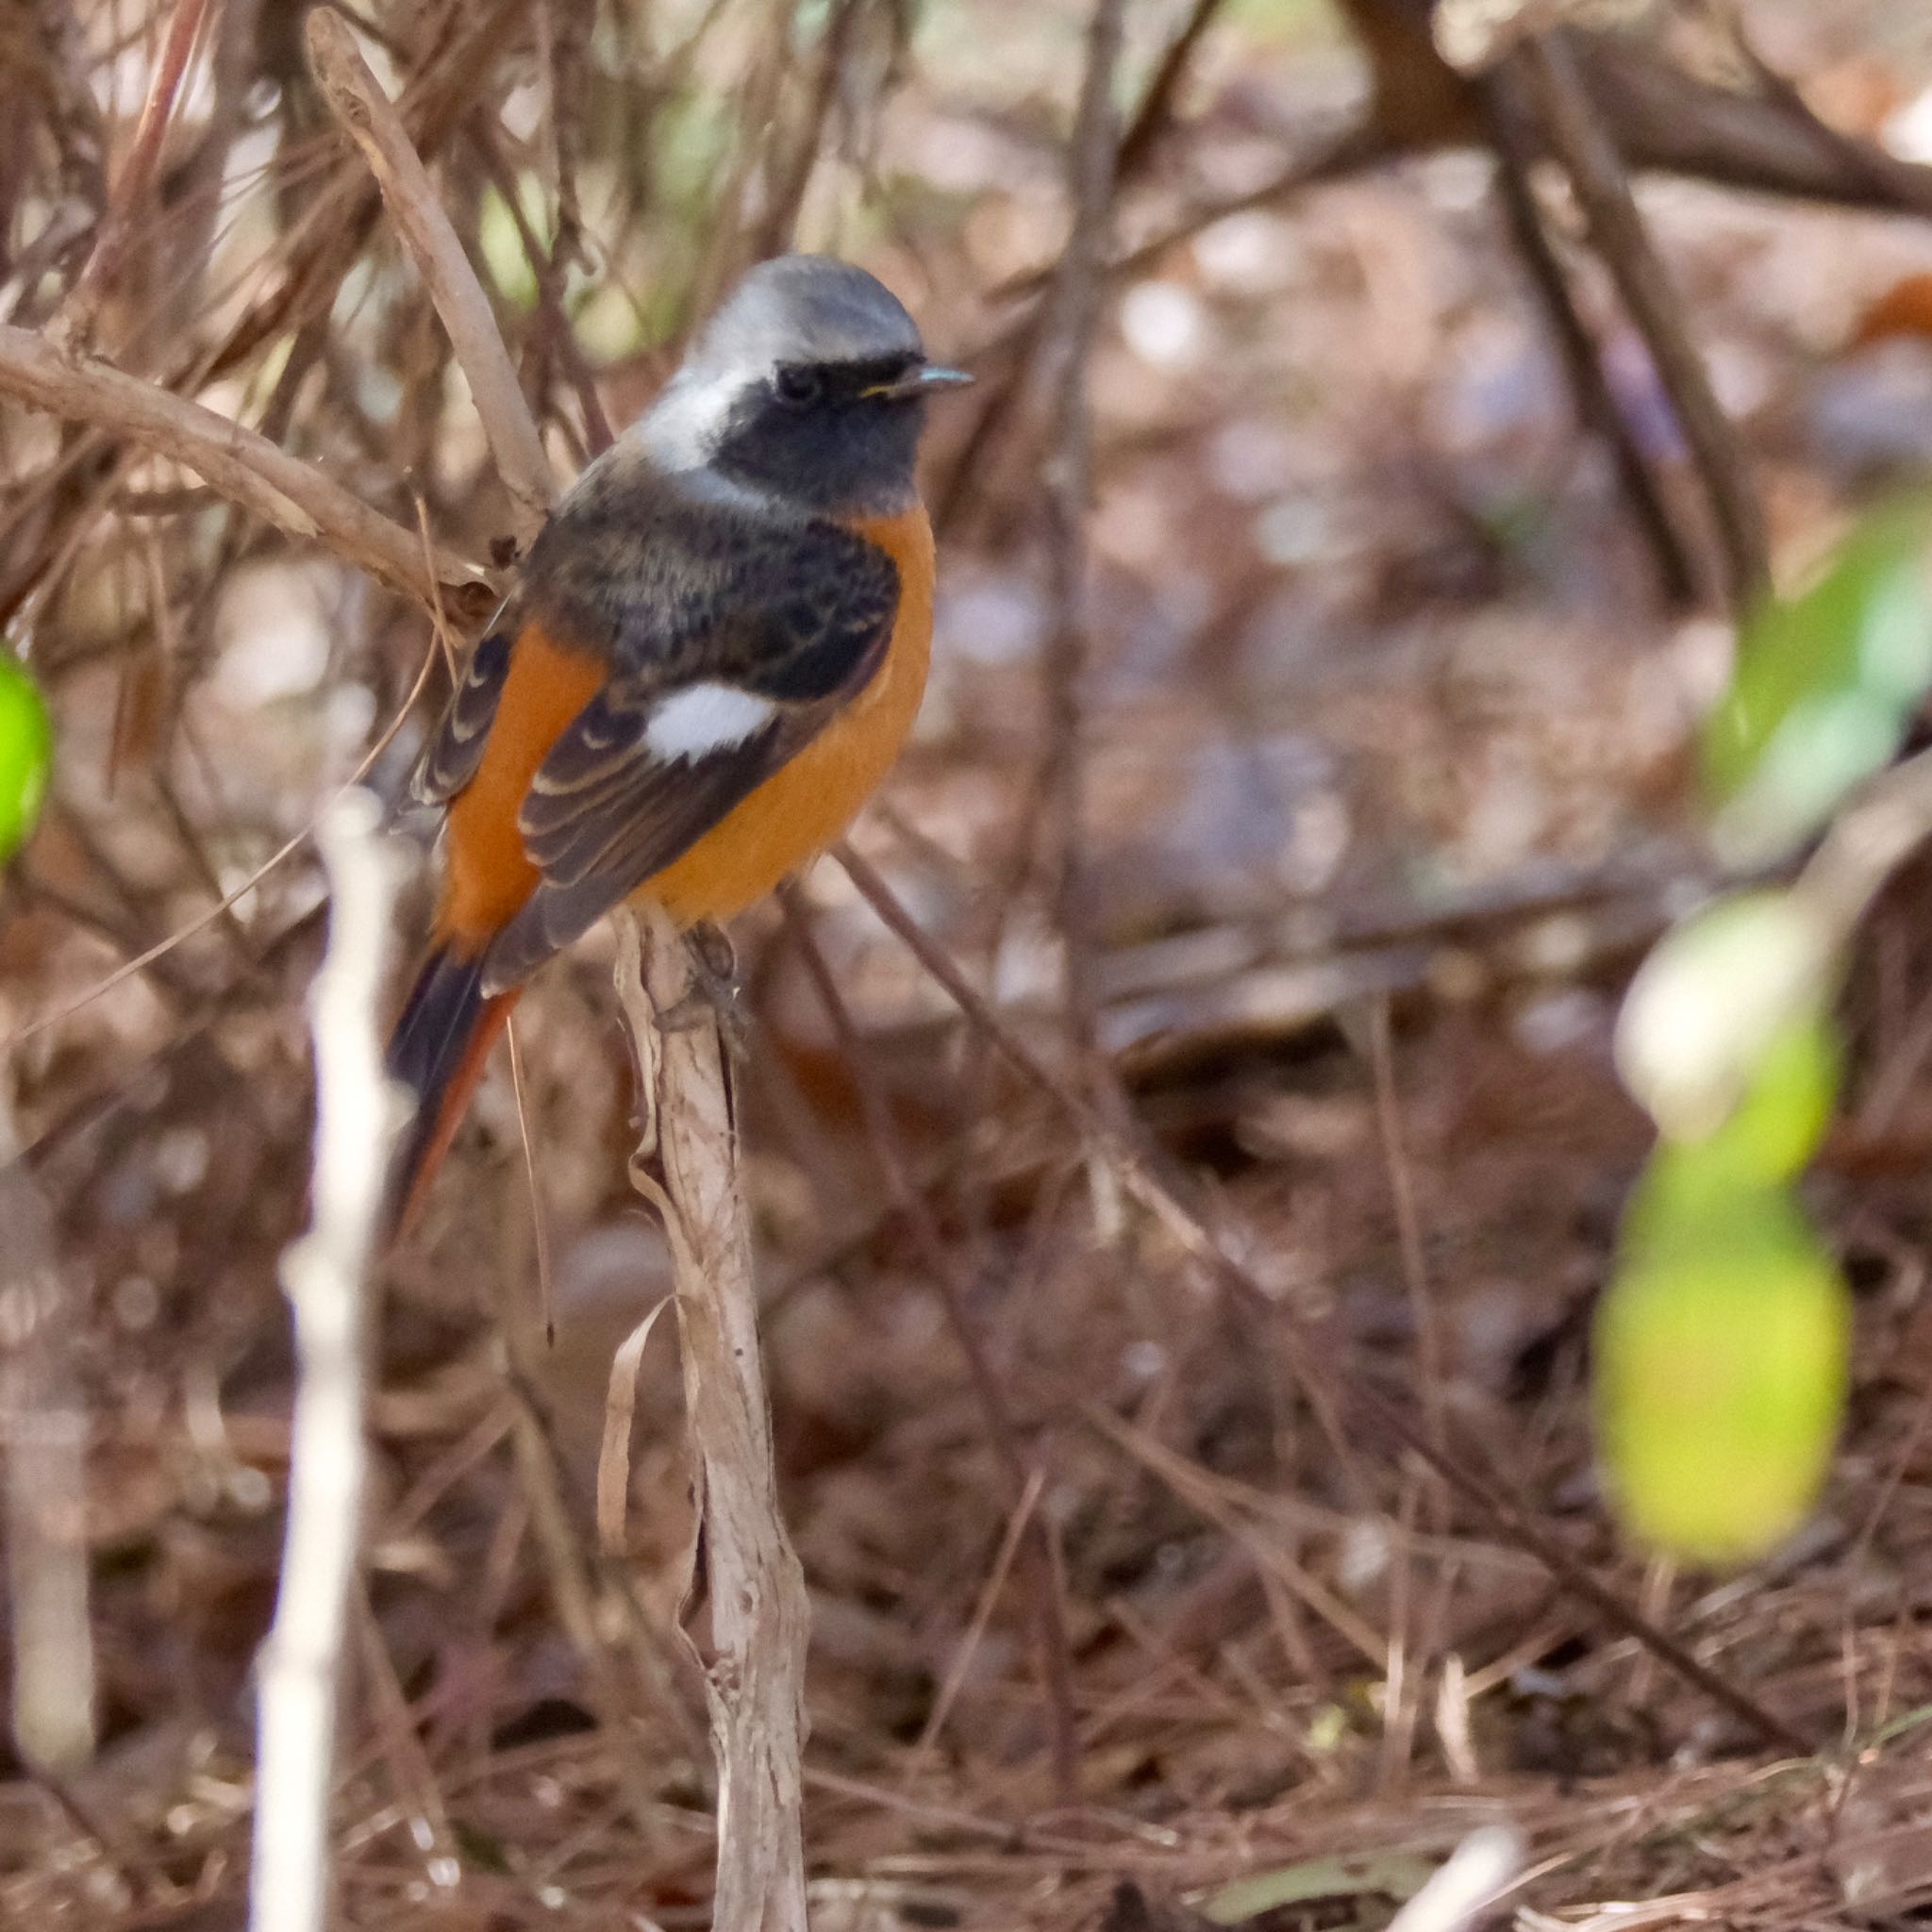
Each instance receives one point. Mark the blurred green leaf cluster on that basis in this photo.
(1824, 690)
(26, 751)
(1722, 1339)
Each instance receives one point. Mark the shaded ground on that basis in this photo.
(1384, 747)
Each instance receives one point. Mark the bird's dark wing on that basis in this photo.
(725, 670)
(453, 755)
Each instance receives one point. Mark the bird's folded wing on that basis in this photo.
(453, 755)
(693, 724)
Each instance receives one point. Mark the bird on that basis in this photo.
(708, 660)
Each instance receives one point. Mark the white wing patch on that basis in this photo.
(703, 719)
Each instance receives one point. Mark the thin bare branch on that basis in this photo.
(52, 1700)
(357, 101)
(1066, 342)
(1497, 97)
(558, 337)
(1023, 1471)
(1155, 114)
(1553, 78)
(76, 321)
(1326, 1384)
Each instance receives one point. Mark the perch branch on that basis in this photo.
(759, 1610)
(323, 1274)
(356, 100)
(760, 1614)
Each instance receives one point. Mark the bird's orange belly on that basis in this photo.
(806, 804)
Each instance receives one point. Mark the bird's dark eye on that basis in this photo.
(797, 385)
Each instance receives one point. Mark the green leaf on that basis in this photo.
(1394, 1875)
(27, 753)
(1775, 1128)
(1722, 1352)
(1825, 688)
(1824, 684)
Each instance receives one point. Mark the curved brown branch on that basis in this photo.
(292, 496)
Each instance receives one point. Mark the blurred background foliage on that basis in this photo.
(1402, 739)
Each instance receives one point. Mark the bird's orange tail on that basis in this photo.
(439, 1050)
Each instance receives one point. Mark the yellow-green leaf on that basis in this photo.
(27, 750)
(1722, 1349)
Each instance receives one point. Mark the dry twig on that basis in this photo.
(1066, 341)
(76, 321)
(1023, 1470)
(1554, 80)
(46, 1437)
(362, 107)
(1597, 408)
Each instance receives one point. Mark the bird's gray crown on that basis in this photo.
(794, 308)
(803, 308)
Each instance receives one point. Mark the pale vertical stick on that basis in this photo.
(1468, 1888)
(323, 1274)
(760, 1615)
(45, 1445)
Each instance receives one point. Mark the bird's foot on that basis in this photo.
(714, 996)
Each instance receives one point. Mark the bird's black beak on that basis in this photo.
(919, 381)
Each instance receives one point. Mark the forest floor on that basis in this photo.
(1383, 748)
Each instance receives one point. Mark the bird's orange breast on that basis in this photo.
(808, 803)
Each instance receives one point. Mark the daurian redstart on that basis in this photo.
(713, 652)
